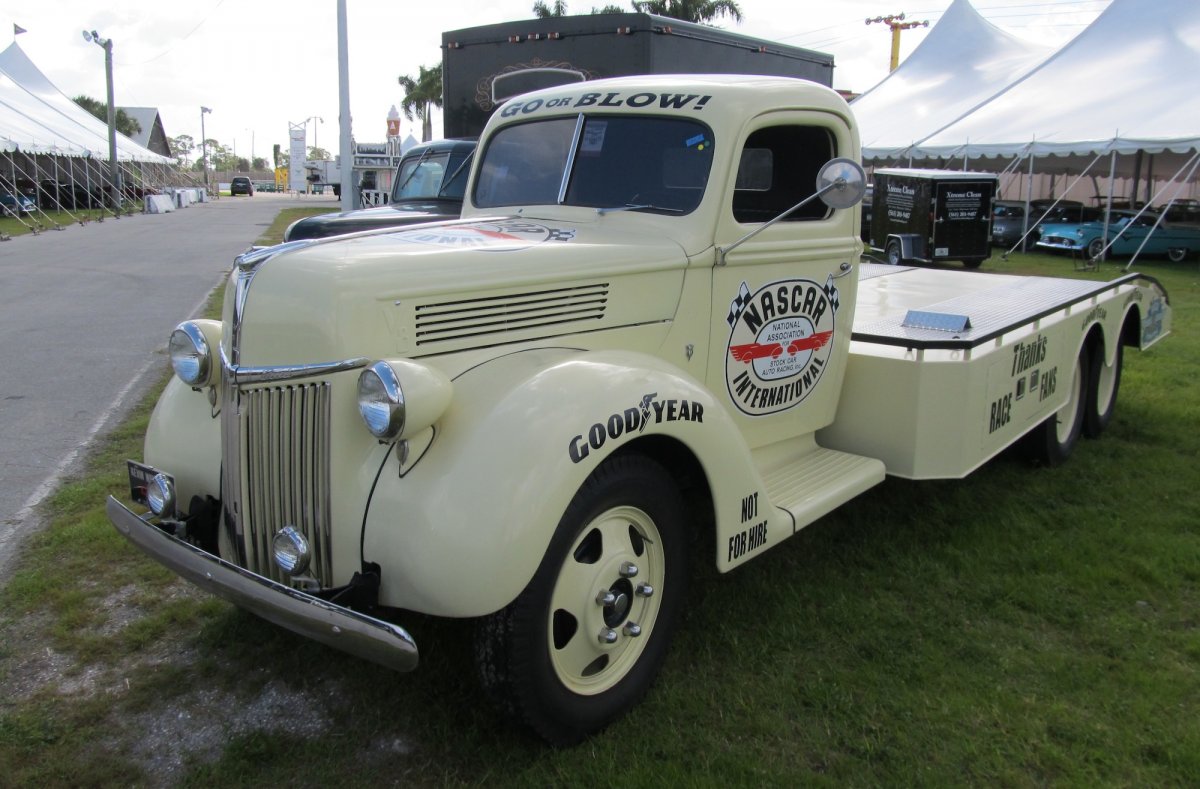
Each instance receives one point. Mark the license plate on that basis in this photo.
(140, 476)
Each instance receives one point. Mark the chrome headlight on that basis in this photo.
(160, 496)
(290, 549)
(191, 356)
(400, 398)
(381, 401)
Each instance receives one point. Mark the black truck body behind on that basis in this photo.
(483, 66)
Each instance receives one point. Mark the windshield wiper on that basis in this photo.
(411, 173)
(454, 174)
(637, 207)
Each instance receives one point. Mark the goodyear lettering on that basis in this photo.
(1026, 355)
(633, 420)
(1001, 413)
(1095, 314)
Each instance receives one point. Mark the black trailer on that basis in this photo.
(928, 216)
(483, 66)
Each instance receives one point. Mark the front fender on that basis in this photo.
(184, 439)
(463, 530)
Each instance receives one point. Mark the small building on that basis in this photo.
(152, 135)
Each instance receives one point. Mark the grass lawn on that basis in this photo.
(1020, 627)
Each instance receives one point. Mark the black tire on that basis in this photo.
(1095, 248)
(1103, 384)
(972, 263)
(1177, 254)
(1051, 442)
(542, 658)
(895, 255)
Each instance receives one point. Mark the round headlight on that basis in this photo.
(381, 401)
(160, 496)
(190, 355)
(291, 550)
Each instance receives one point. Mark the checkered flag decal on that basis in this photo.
(738, 304)
(831, 292)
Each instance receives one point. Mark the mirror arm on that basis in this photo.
(723, 251)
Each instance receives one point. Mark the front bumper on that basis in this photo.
(1062, 246)
(334, 625)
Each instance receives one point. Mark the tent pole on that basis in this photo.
(1137, 178)
(1028, 196)
(1112, 176)
(1149, 178)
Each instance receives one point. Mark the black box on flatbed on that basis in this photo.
(484, 66)
(927, 216)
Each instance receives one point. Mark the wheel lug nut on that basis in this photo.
(609, 636)
(606, 597)
(628, 569)
(632, 629)
(644, 590)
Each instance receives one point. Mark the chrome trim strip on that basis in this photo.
(240, 375)
(361, 635)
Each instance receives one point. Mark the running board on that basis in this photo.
(819, 482)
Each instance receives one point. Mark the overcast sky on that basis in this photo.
(260, 64)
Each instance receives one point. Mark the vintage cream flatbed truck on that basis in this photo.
(520, 415)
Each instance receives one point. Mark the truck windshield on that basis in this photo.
(637, 163)
(420, 177)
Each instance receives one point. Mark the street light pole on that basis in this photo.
(107, 45)
(204, 146)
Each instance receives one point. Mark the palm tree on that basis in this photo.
(543, 11)
(691, 10)
(421, 95)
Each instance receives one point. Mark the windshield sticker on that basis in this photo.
(781, 337)
(662, 101)
(593, 137)
(487, 236)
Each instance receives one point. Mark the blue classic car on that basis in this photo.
(13, 205)
(1175, 241)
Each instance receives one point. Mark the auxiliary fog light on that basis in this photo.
(291, 550)
(160, 496)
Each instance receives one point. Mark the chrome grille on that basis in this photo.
(480, 318)
(279, 474)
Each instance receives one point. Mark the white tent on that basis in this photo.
(964, 61)
(38, 118)
(1130, 82)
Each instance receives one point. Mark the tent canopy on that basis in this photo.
(1126, 83)
(38, 118)
(964, 61)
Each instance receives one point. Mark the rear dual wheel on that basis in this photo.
(1051, 442)
(1104, 381)
(584, 641)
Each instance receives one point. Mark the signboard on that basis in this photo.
(297, 152)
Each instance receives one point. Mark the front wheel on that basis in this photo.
(584, 641)
(895, 255)
(1176, 254)
(972, 263)
(1095, 248)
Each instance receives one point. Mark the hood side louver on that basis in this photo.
(498, 315)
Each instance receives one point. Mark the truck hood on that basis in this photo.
(450, 287)
(409, 212)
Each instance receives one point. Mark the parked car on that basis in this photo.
(14, 205)
(1187, 211)
(57, 195)
(428, 186)
(241, 185)
(1175, 241)
(1008, 219)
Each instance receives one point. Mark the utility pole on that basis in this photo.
(204, 146)
(896, 23)
(107, 45)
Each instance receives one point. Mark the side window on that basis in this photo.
(778, 169)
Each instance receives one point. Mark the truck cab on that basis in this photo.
(645, 329)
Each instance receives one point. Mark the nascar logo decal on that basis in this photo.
(779, 343)
(502, 236)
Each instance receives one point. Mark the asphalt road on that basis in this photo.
(85, 314)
